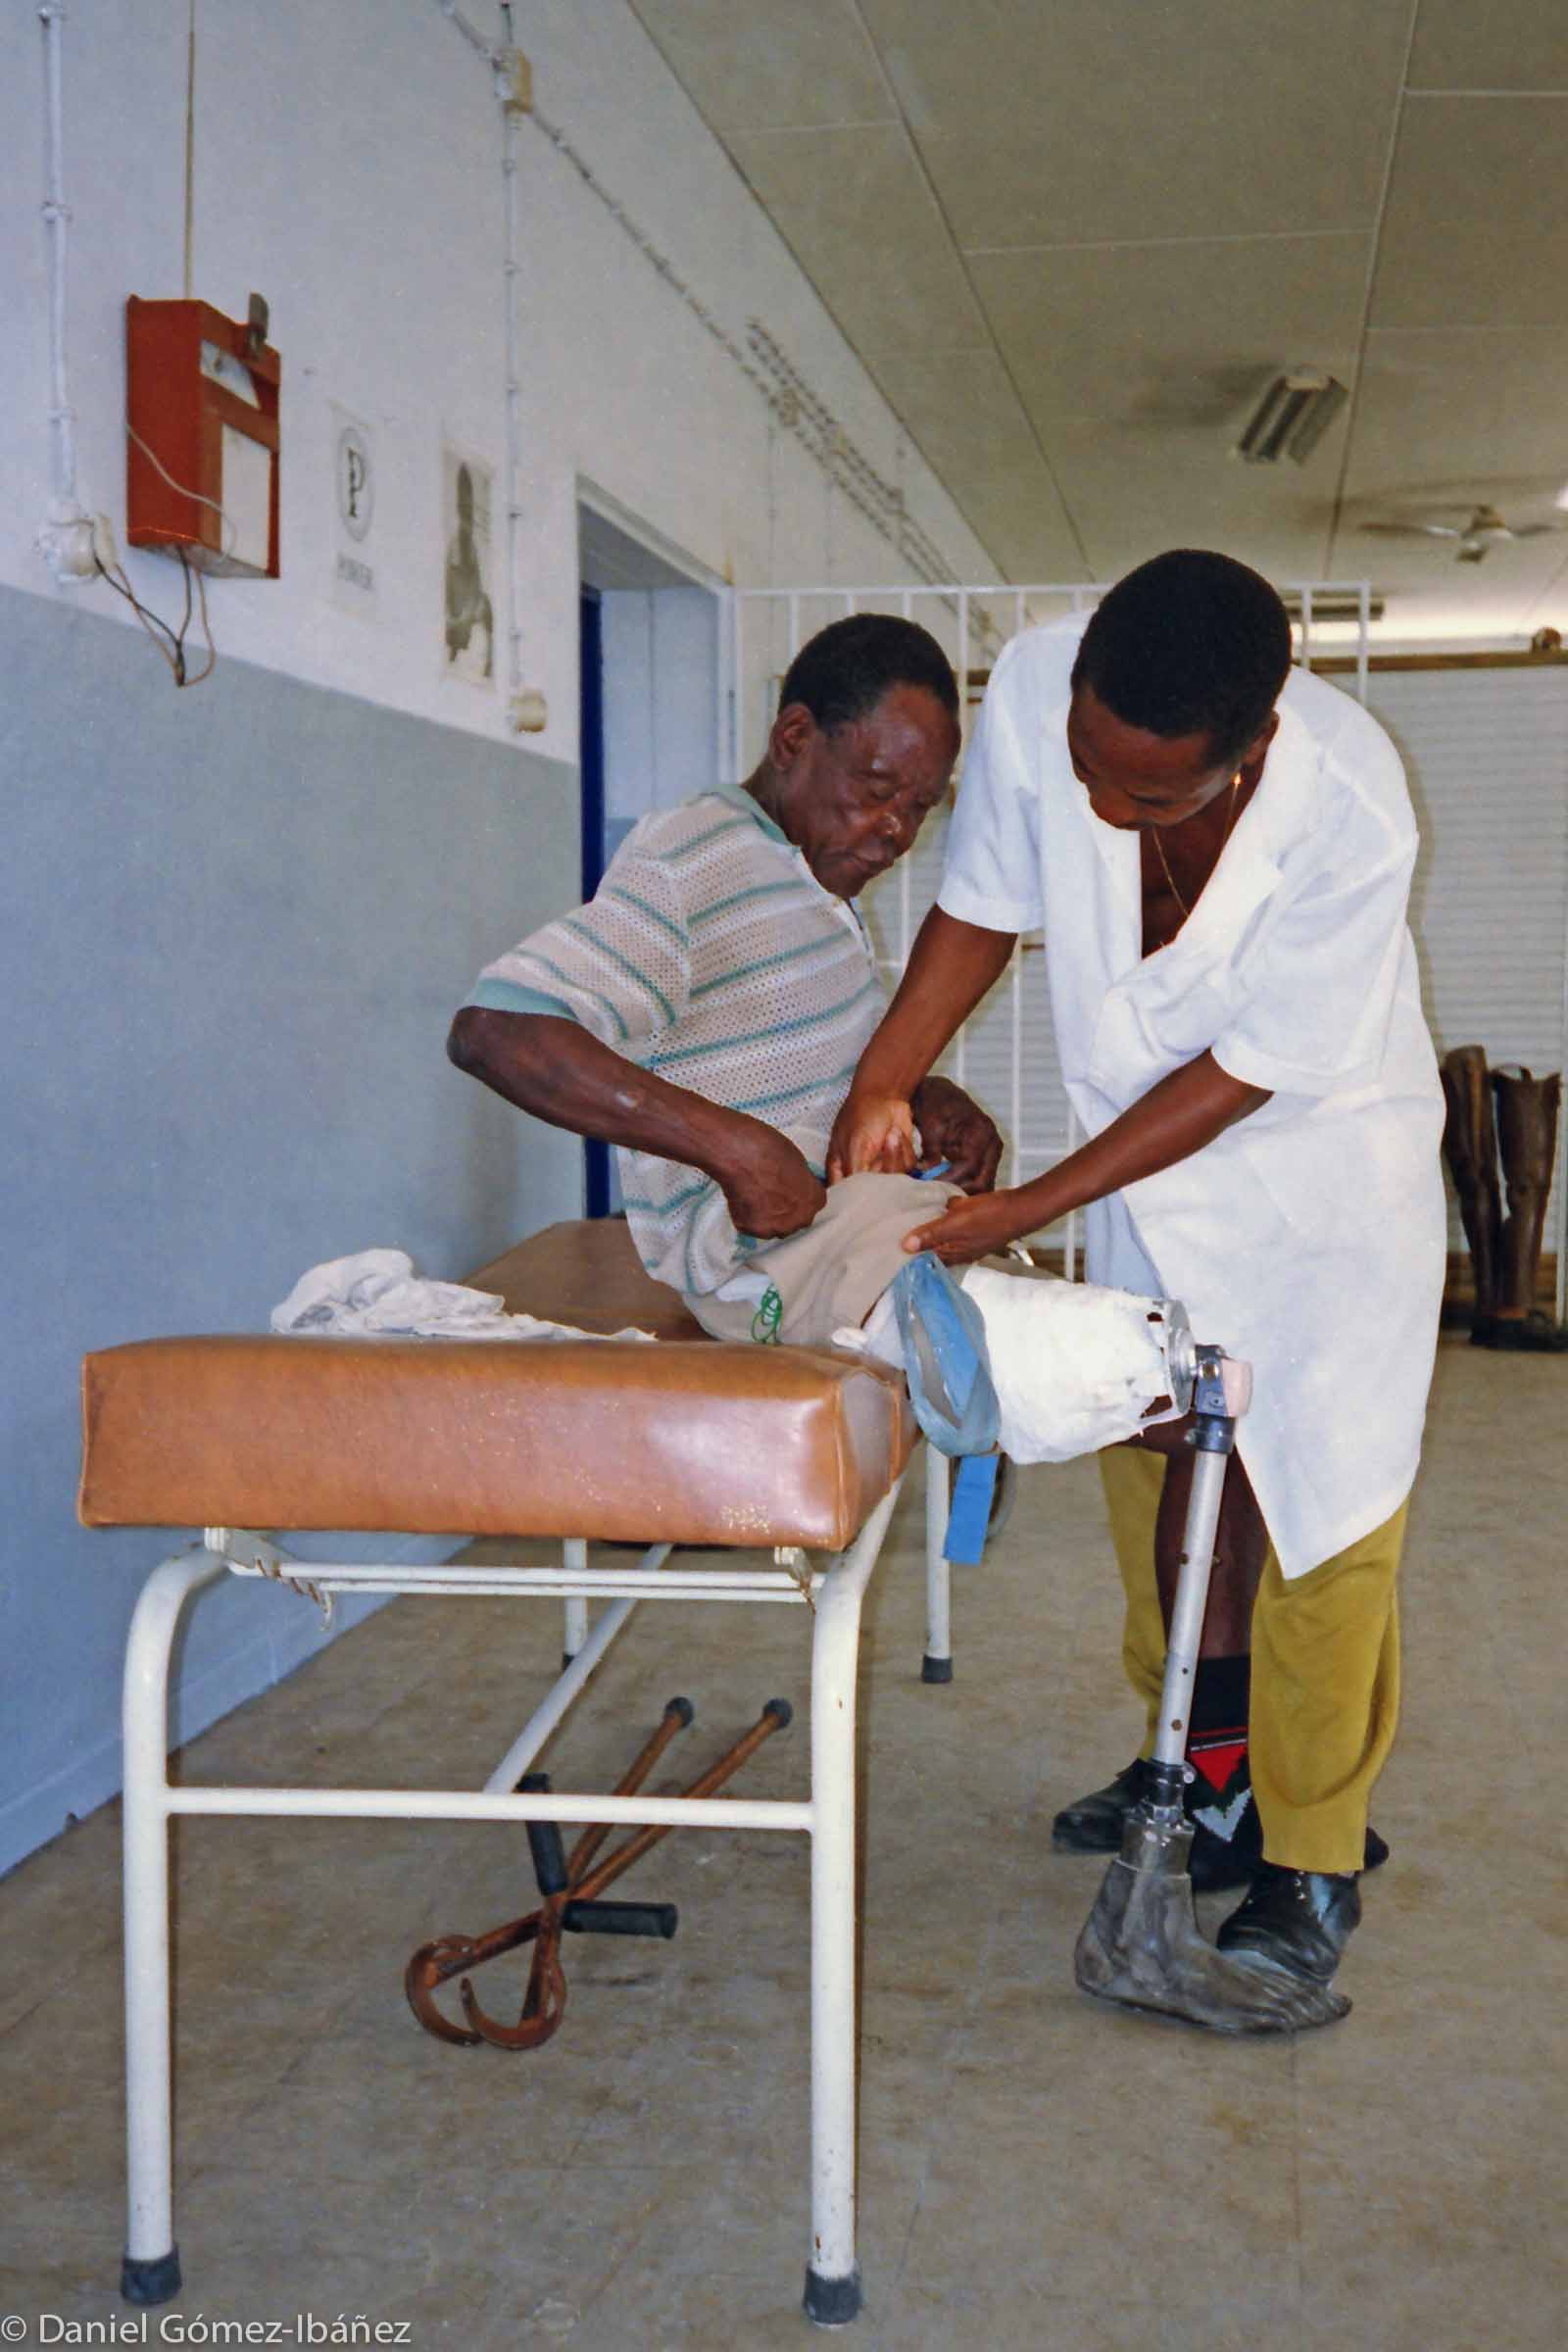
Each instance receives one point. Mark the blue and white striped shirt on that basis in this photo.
(712, 956)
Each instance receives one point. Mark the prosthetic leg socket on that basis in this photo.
(1076, 1366)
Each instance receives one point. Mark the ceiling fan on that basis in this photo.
(1475, 538)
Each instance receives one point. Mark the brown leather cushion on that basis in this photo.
(687, 1442)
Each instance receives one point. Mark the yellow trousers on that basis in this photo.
(1325, 1682)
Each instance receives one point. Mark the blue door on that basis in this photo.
(595, 1157)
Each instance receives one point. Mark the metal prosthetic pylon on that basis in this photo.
(1141, 1945)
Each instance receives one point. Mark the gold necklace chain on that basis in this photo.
(1159, 848)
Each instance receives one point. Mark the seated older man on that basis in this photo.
(706, 1013)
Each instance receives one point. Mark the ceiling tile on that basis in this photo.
(964, 417)
(750, 66)
(1463, 419)
(1136, 490)
(1459, 47)
(859, 220)
(1020, 537)
(961, 407)
(1167, 334)
(1476, 234)
(1211, 118)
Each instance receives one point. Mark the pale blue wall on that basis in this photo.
(234, 923)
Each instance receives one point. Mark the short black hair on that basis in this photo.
(1190, 642)
(843, 670)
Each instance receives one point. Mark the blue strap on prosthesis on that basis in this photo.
(945, 1361)
(969, 1518)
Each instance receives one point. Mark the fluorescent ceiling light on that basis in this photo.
(1291, 417)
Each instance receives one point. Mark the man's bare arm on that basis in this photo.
(950, 966)
(564, 1075)
(1180, 1113)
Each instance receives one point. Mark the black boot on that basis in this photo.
(1527, 1109)
(1470, 1145)
(1094, 1824)
(1300, 1920)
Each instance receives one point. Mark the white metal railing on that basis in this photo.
(766, 627)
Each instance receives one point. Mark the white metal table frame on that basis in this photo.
(151, 2273)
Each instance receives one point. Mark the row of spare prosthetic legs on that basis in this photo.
(1500, 1136)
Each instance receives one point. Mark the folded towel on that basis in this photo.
(378, 1291)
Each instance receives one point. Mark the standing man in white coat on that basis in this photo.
(1219, 849)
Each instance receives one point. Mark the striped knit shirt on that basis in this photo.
(712, 956)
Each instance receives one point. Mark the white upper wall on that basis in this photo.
(348, 164)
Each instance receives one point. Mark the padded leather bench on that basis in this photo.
(686, 1443)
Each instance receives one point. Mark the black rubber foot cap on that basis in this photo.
(832, 2302)
(155, 2281)
(936, 1670)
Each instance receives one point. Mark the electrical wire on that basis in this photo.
(207, 626)
(156, 629)
(170, 643)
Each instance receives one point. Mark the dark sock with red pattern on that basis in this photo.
(1220, 1795)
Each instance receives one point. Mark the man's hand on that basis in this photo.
(871, 1132)
(975, 1228)
(769, 1186)
(956, 1129)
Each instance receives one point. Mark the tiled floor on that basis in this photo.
(1036, 2171)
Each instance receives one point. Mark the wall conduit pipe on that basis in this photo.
(511, 85)
(56, 215)
(508, 193)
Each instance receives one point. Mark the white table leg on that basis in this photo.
(150, 2271)
(574, 1555)
(937, 1664)
(832, 2273)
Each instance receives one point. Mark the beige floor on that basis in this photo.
(1036, 2171)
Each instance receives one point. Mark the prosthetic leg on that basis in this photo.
(1141, 1945)
(1227, 1836)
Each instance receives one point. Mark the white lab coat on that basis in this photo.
(1310, 1238)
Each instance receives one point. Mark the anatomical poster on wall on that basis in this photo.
(468, 640)
(352, 513)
